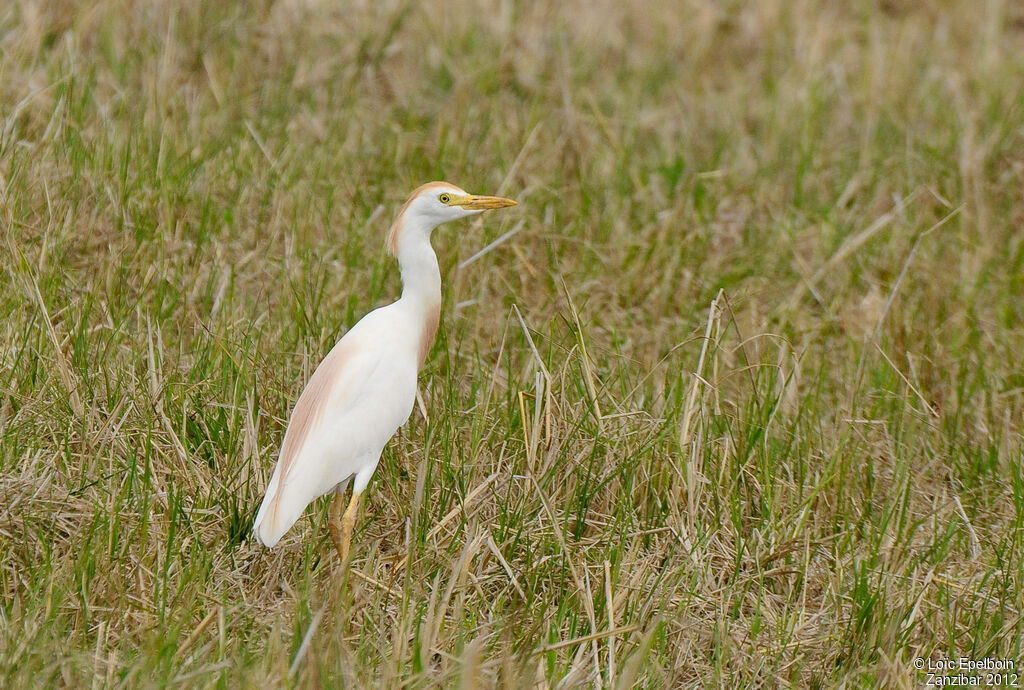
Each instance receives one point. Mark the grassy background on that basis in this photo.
(738, 403)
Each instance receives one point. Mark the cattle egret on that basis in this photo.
(365, 387)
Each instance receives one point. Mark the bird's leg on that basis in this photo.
(347, 523)
(334, 524)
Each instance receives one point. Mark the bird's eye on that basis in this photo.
(445, 198)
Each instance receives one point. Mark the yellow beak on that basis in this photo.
(473, 202)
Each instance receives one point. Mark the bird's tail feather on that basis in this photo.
(265, 527)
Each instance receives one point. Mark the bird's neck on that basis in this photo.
(421, 285)
(421, 275)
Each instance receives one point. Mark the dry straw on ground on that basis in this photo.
(733, 398)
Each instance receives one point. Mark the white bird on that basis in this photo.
(365, 387)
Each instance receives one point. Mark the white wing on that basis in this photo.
(352, 405)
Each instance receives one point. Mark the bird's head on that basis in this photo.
(435, 203)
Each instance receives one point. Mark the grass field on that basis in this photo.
(735, 401)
